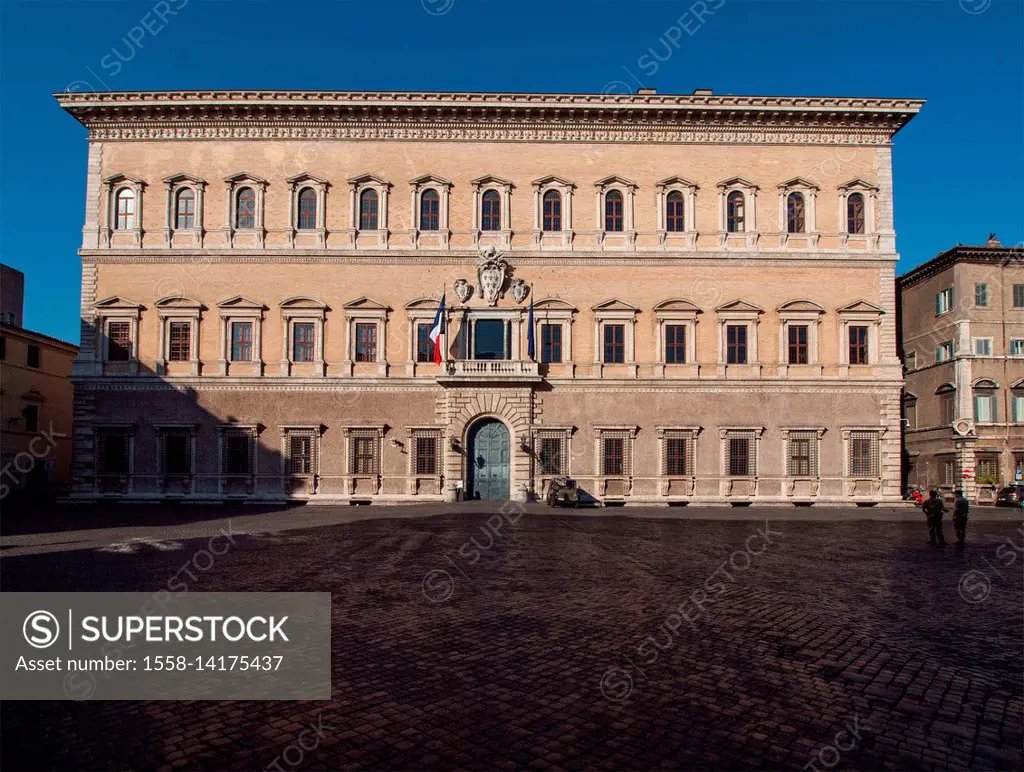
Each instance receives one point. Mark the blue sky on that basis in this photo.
(958, 165)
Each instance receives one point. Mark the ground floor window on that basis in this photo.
(364, 452)
(552, 453)
(741, 454)
(426, 451)
(677, 452)
(948, 472)
(987, 469)
(300, 449)
(114, 451)
(616, 451)
(237, 452)
(802, 454)
(863, 452)
(175, 451)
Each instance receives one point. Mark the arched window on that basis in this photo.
(368, 208)
(245, 210)
(552, 211)
(796, 213)
(613, 222)
(307, 209)
(855, 213)
(185, 209)
(125, 219)
(674, 219)
(735, 212)
(430, 211)
(491, 212)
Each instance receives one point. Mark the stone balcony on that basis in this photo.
(489, 370)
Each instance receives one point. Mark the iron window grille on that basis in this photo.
(863, 454)
(741, 454)
(802, 454)
(553, 453)
(425, 446)
(677, 453)
(615, 454)
(114, 448)
(237, 451)
(364, 452)
(301, 449)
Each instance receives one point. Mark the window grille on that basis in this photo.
(364, 452)
(237, 451)
(113, 451)
(425, 447)
(301, 451)
(677, 453)
(553, 453)
(863, 454)
(741, 454)
(616, 452)
(802, 454)
(175, 451)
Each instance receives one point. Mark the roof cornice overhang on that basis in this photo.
(486, 116)
(998, 256)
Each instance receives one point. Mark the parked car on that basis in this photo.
(563, 491)
(1010, 496)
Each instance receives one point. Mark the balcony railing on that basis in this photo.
(489, 370)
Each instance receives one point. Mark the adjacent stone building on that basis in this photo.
(962, 334)
(671, 298)
(35, 401)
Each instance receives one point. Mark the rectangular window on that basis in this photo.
(302, 341)
(1018, 295)
(1016, 347)
(179, 338)
(736, 344)
(739, 456)
(424, 345)
(612, 456)
(983, 347)
(950, 476)
(798, 353)
(863, 454)
(31, 415)
(237, 453)
(614, 343)
(113, 455)
(3, 347)
(987, 469)
(675, 344)
(858, 345)
(300, 454)
(551, 455)
(366, 342)
(985, 408)
(119, 341)
(175, 451)
(944, 301)
(947, 409)
(803, 454)
(1017, 406)
(241, 341)
(944, 351)
(678, 454)
(981, 295)
(363, 453)
(551, 343)
(911, 360)
(425, 452)
(32, 355)
(910, 413)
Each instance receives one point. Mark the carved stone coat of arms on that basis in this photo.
(491, 271)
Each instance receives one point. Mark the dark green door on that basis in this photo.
(489, 454)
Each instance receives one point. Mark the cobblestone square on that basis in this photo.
(483, 640)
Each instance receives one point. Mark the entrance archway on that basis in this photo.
(490, 454)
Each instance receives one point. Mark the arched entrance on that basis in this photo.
(489, 460)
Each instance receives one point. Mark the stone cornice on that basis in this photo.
(487, 116)
(471, 258)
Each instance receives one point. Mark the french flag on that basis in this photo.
(437, 331)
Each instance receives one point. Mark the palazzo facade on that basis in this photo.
(670, 298)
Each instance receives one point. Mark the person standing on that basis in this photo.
(933, 510)
(960, 511)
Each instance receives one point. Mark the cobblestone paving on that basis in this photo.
(569, 643)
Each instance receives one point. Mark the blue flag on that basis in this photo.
(531, 346)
